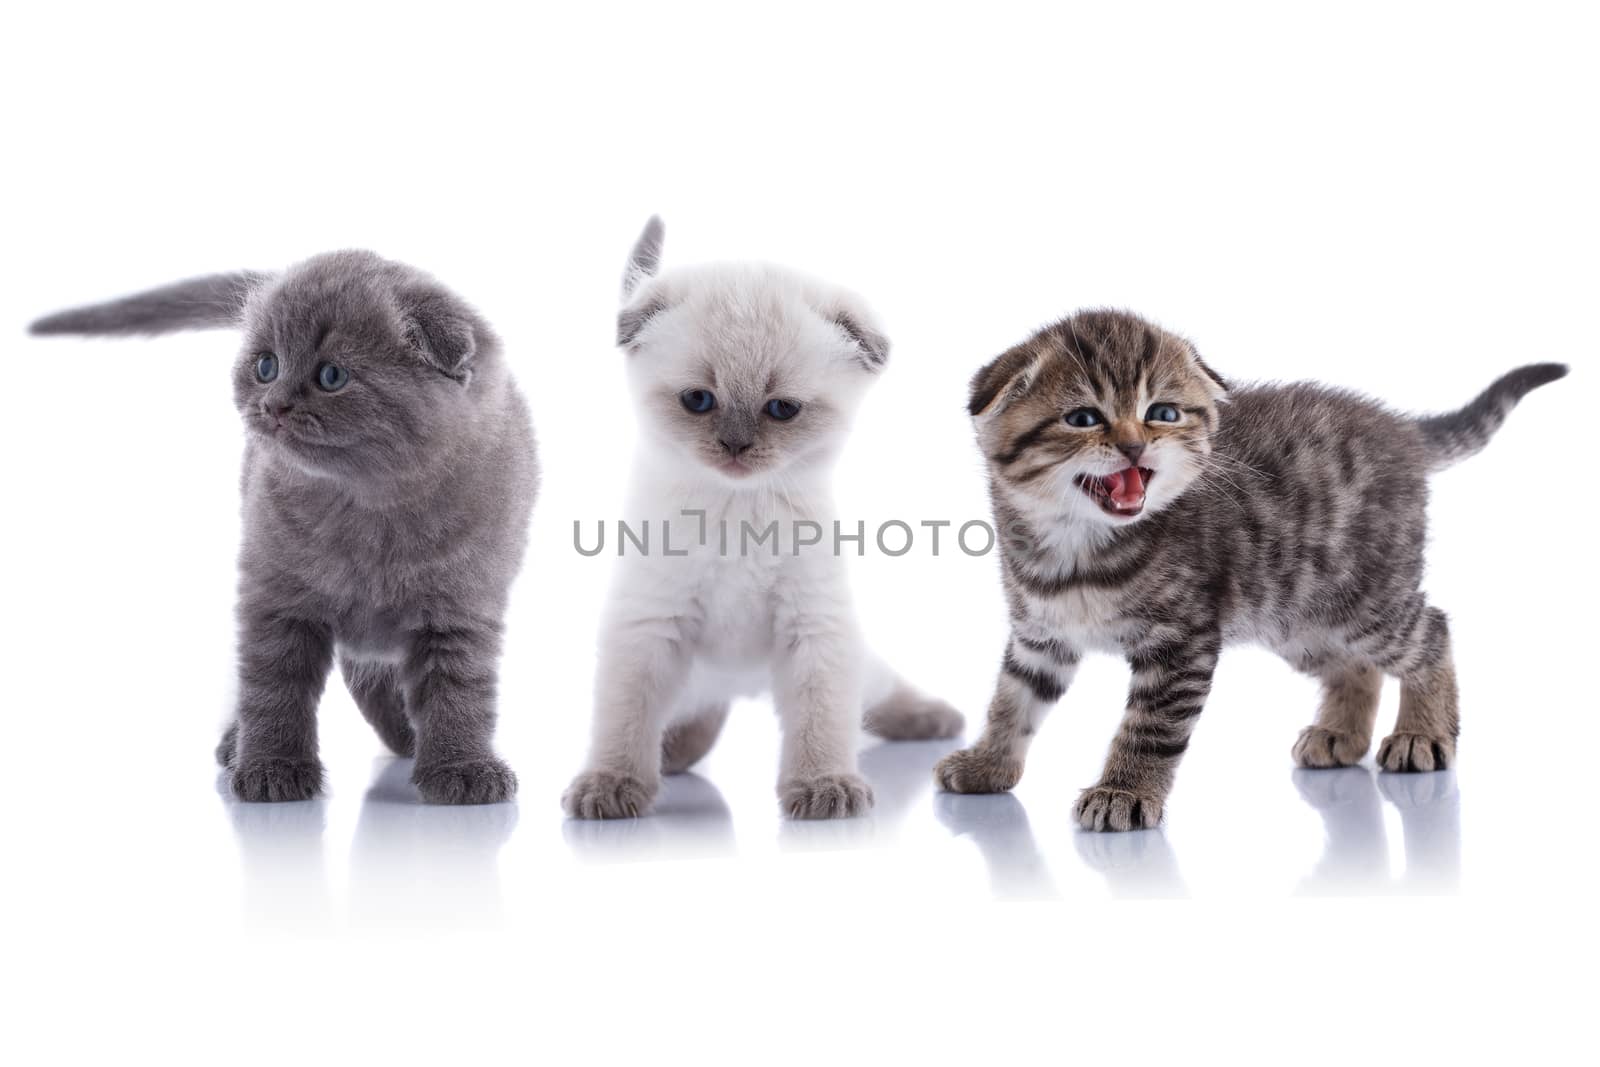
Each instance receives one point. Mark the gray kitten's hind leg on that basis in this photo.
(688, 740)
(228, 747)
(376, 690)
(1349, 711)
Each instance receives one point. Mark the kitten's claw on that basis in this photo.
(1407, 752)
(266, 779)
(1319, 746)
(607, 795)
(477, 781)
(1102, 808)
(829, 796)
(976, 770)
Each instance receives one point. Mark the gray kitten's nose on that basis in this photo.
(733, 447)
(1132, 449)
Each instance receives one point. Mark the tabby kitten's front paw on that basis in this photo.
(1407, 752)
(271, 779)
(477, 781)
(828, 796)
(1319, 746)
(607, 795)
(977, 770)
(1103, 808)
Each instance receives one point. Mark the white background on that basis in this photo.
(1395, 198)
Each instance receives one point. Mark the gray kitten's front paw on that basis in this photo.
(828, 796)
(1319, 746)
(269, 779)
(977, 770)
(477, 781)
(1407, 752)
(1103, 808)
(607, 795)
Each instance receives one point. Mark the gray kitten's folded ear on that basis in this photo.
(441, 329)
(215, 301)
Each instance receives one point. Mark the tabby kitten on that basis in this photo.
(1148, 509)
(389, 472)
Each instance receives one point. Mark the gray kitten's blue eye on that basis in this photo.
(698, 401)
(1084, 418)
(266, 368)
(332, 378)
(1162, 413)
(782, 410)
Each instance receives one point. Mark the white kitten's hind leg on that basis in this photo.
(895, 711)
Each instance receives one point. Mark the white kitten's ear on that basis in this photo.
(632, 319)
(645, 259)
(441, 331)
(873, 346)
(1001, 382)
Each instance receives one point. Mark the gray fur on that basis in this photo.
(1289, 515)
(645, 258)
(383, 521)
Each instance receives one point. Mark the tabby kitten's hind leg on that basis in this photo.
(1424, 737)
(376, 690)
(907, 715)
(686, 741)
(1343, 729)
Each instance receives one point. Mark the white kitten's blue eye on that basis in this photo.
(332, 378)
(266, 368)
(698, 401)
(1084, 418)
(782, 410)
(1162, 413)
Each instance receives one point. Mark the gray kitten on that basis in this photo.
(1148, 509)
(389, 473)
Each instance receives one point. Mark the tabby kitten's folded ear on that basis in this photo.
(1001, 382)
(441, 330)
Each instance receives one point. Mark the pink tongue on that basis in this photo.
(1127, 487)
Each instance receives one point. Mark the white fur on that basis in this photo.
(683, 633)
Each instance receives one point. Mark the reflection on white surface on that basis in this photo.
(1355, 856)
(689, 819)
(998, 825)
(410, 863)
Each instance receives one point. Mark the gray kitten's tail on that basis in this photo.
(212, 302)
(1453, 437)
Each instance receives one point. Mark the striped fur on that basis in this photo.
(1287, 515)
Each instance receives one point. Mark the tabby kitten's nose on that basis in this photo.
(1132, 449)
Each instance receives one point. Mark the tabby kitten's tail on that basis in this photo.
(1453, 437)
(213, 302)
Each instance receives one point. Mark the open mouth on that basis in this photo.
(1121, 493)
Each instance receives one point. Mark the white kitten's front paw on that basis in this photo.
(607, 795)
(828, 796)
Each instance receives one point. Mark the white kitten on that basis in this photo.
(746, 378)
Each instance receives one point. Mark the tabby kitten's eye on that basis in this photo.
(332, 378)
(1084, 418)
(266, 368)
(1162, 413)
(782, 410)
(698, 401)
